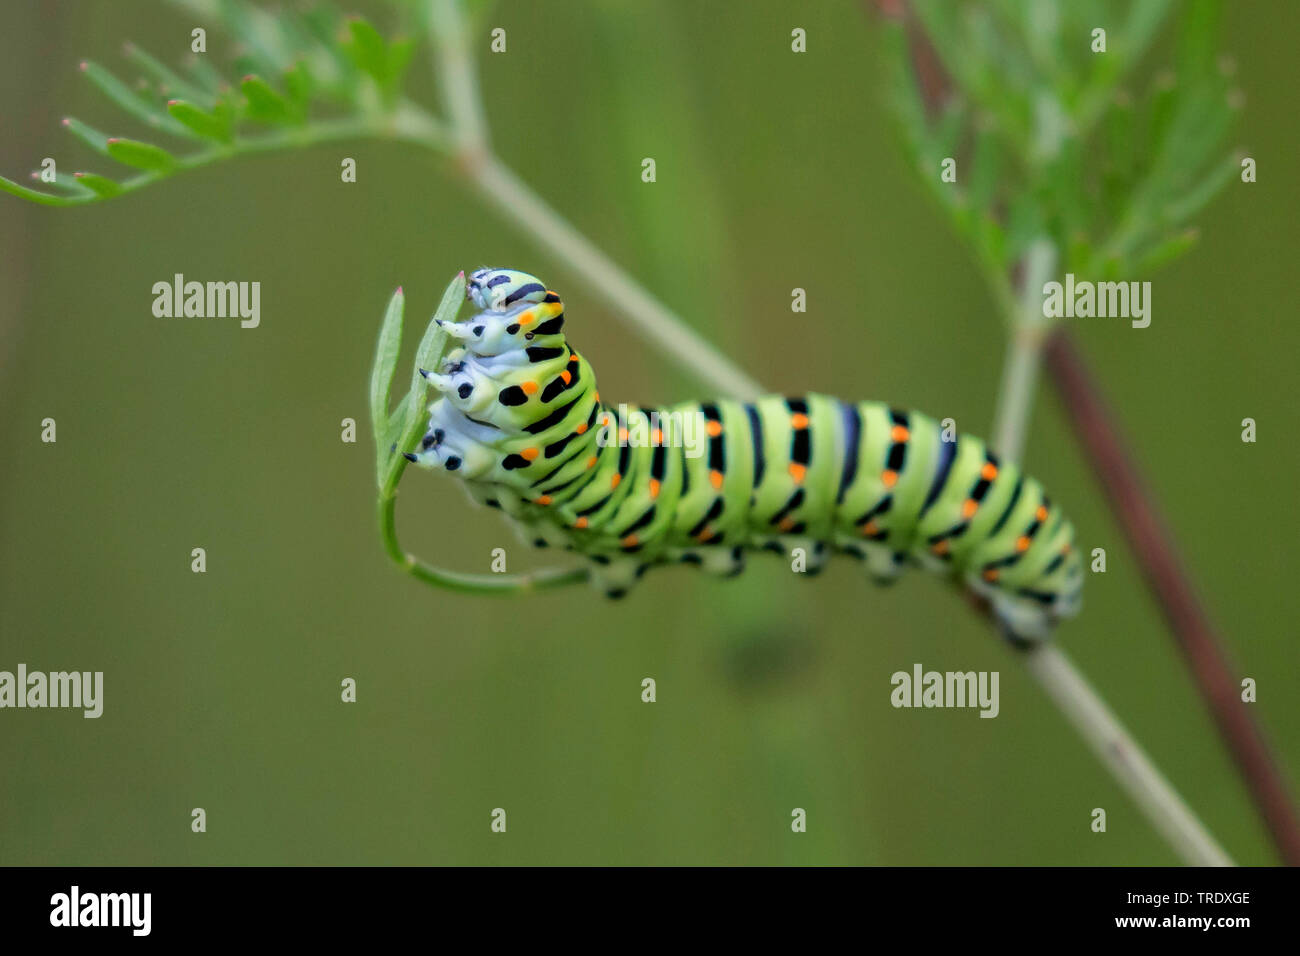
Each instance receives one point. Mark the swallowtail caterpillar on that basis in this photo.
(520, 420)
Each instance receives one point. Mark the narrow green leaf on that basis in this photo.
(129, 101)
(69, 185)
(170, 83)
(298, 84)
(33, 195)
(87, 134)
(367, 48)
(144, 156)
(428, 356)
(265, 104)
(381, 376)
(205, 74)
(102, 185)
(215, 125)
(1199, 197)
(1166, 251)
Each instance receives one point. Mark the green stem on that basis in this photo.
(492, 584)
(408, 122)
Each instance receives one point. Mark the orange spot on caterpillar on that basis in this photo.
(969, 507)
(899, 433)
(989, 471)
(529, 454)
(629, 541)
(798, 472)
(567, 376)
(622, 435)
(1022, 543)
(787, 523)
(582, 427)
(614, 480)
(870, 528)
(889, 478)
(544, 500)
(657, 436)
(940, 548)
(654, 489)
(526, 318)
(704, 535)
(581, 522)
(529, 387)
(591, 462)
(991, 574)
(715, 479)
(798, 421)
(596, 396)
(713, 428)
(1041, 513)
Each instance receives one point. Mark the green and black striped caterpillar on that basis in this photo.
(520, 420)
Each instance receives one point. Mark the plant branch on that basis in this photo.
(1117, 749)
(644, 314)
(1120, 752)
(1152, 545)
(1027, 330)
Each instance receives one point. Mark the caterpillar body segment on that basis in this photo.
(520, 419)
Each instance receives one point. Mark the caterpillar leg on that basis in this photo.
(882, 563)
(614, 576)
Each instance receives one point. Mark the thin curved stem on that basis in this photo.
(408, 122)
(646, 315)
(490, 584)
(1120, 752)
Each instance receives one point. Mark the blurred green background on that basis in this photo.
(775, 170)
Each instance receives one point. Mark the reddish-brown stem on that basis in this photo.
(1149, 538)
(1146, 532)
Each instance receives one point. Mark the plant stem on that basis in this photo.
(1027, 330)
(491, 584)
(1150, 540)
(1058, 676)
(646, 315)
(513, 198)
(1116, 748)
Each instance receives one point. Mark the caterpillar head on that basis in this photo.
(502, 294)
(496, 290)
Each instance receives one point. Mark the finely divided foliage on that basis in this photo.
(1056, 140)
(298, 79)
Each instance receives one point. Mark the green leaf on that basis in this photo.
(1166, 251)
(367, 48)
(69, 185)
(411, 414)
(144, 156)
(381, 376)
(170, 83)
(265, 104)
(215, 125)
(101, 185)
(129, 101)
(383, 61)
(87, 134)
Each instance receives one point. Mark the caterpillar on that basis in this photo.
(519, 418)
